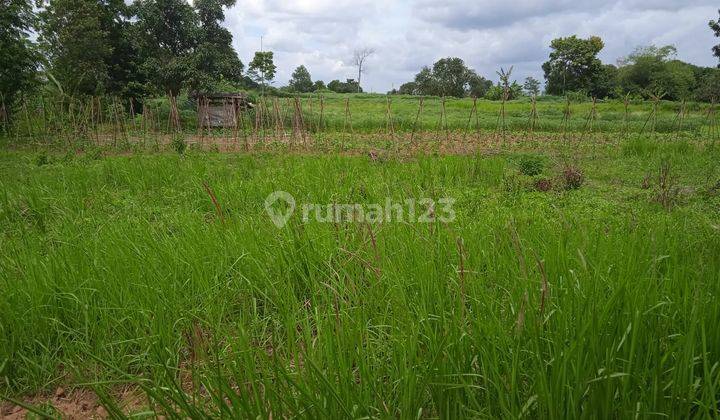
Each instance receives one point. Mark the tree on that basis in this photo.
(652, 70)
(451, 76)
(167, 33)
(359, 57)
(478, 86)
(425, 82)
(349, 86)
(87, 45)
(408, 88)
(318, 85)
(214, 57)
(572, 65)
(531, 86)
(708, 88)
(715, 26)
(18, 57)
(301, 80)
(261, 68)
(495, 93)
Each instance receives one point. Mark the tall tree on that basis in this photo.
(18, 57)
(573, 64)
(348, 86)
(451, 76)
(214, 57)
(715, 26)
(478, 86)
(652, 70)
(409, 88)
(531, 86)
(262, 68)
(167, 32)
(86, 44)
(425, 82)
(301, 80)
(360, 55)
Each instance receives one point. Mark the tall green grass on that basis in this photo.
(119, 270)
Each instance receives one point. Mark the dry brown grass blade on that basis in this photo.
(215, 201)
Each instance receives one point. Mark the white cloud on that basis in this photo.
(487, 34)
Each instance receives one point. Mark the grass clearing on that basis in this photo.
(596, 301)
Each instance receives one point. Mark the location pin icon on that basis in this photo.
(280, 214)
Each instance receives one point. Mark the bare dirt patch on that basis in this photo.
(75, 404)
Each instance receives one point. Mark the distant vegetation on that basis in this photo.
(152, 48)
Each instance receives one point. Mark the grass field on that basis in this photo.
(163, 274)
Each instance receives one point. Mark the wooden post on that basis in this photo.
(472, 110)
(417, 118)
(389, 127)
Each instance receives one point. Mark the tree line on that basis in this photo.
(164, 47)
(573, 68)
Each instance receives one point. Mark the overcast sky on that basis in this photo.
(487, 34)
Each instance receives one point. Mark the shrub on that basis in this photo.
(573, 177)
(531, 165)
(41, 158)
(178, 144)
(543, 184)
(667, 192)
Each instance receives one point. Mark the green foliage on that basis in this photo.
(18, 57)
(41, 158)
(478, 86)
(425, 83)
(214, 59)
(262, 68)
(715, 27)
(87, 44)
(531, 86)
(496, 92)
(531, 165)
(301, 80)
(408, 88)
(652, 71)
(178, 144)
(319, 85)
(167, 49)
(573, 64)
(349, 86)
(449, 77)
(708, 86)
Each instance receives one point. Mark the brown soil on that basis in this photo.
(75, 404)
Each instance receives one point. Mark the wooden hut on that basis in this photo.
(221, 109)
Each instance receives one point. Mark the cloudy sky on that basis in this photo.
(487, 34)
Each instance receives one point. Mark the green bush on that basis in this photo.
(178, 144)
(531, 165)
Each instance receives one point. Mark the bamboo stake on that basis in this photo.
(533, 121)
(348, 118)
(443, 119)
(321, 126)
(389, 127)
(626, 103)
(472, 110)
(417, 118)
